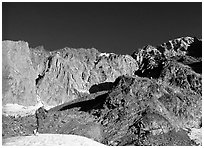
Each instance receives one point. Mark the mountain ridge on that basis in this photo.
(106, 67)
(152, 97)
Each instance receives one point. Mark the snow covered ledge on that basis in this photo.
(17, 110)
(50, 140)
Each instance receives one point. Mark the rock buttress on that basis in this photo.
(18, 74)
(72, 72)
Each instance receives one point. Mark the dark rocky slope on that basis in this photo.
(151, 98)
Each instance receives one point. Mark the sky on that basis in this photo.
(109, 27)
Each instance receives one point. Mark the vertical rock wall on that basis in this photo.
(59, 76)
(18, 74)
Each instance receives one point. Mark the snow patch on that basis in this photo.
(51, 140)
(105, 54)
(196, 135)
(17, 110)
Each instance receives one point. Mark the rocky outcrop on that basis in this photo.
(153, 97)
(60, 76)
(72, 72)
(18, 74)
(185, 50)
(136, 111)
(57, 77)
(139, 108)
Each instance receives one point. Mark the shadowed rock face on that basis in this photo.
(186, 50)
(137, 111)
(150, 98)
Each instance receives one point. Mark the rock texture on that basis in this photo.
(185, 50)
(57, 77)
(18, 74)
(153, 97)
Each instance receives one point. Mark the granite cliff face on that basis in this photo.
(153, 97)
(57, 77)
(18, 74)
